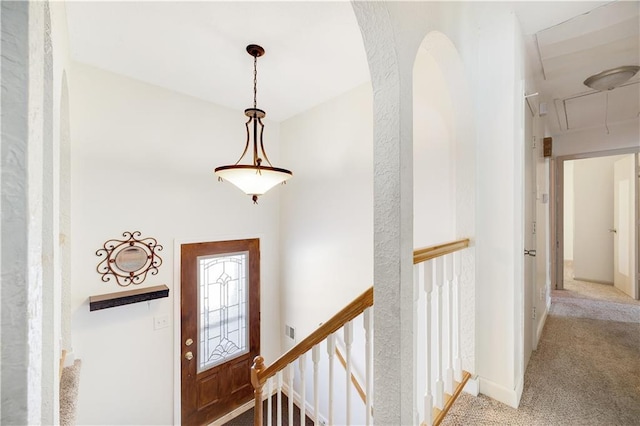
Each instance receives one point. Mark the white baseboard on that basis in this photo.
(238, 411)
(541, 325)
(499, 392)
(519, 389)
(472, 386)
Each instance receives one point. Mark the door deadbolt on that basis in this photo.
(189, 342)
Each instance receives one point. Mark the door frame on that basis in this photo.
(530, 282)
(557, 244)
(177, 315)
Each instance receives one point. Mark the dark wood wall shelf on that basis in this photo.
(120, 298)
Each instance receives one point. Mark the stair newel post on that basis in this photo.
(256, 369)
(450, 334)
(348, 341)
(428, 288)
(368, 328)
(439, 326)
(331, 350)
(315, 357)
(457, 261)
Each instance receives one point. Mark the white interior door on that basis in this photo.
(624, 245)
(529, 239)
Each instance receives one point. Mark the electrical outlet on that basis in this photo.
(160, 322)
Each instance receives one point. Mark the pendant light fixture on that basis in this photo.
(255, 178)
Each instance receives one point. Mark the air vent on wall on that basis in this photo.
(290, 332)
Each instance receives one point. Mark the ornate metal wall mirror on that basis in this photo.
(129, 260)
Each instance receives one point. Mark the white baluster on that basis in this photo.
(269, 402)
(428, 287)
(449, 373)
(416, 298)
(315, 357)
(348, 340)
(457, 260)
(331, 350)
(368, 385)
(279, 407)
(303, 392)
(291, 392)
(439, 382)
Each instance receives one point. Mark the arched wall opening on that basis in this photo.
(443, 164)
(442, 143)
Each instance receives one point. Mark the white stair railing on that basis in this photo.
(324, 335)
(438, 269)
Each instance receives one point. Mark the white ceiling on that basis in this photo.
(314, 51)
(602, 37)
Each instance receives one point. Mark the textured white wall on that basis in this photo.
(142, 160)
(61, 175)
(28, 373)
(16, 387)
(50, 232)
(390, 56)
(499, 284)
(38, 353)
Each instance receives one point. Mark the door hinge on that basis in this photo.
(533, 228)
(534, 313)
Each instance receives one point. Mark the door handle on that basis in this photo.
(531, 253)
(188, 356)
(614, 230)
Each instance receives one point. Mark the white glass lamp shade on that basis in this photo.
(253, 180)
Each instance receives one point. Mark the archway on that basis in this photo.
(443, 170)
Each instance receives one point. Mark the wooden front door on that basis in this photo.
(220, 336)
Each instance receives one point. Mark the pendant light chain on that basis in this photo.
(255, 81)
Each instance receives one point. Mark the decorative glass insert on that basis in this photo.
(223, 306)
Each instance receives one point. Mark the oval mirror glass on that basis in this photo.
(131, 259)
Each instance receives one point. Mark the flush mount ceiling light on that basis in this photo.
(610, 79)
(256, 178)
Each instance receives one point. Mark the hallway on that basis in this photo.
(586, 370)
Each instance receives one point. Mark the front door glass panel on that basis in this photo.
(223, 283)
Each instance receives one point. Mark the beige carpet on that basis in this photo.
(586, 370)
(69, 384)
